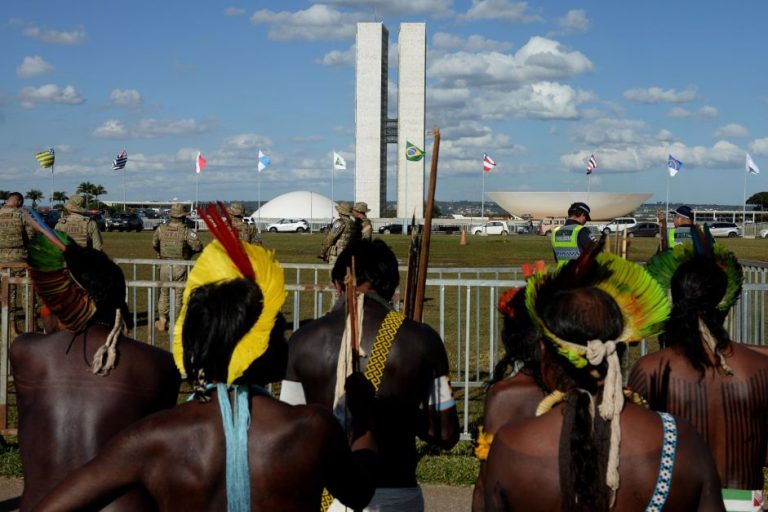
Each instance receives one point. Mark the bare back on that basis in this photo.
(523, 472)
(730, 412)
(66, 414)
(179, 457)
(416, 358)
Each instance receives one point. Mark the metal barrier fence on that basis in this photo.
(460, 305)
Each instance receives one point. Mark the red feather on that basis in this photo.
(220, 225)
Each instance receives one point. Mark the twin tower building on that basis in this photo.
(374, 129)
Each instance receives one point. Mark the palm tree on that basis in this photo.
(60, 196)
(97, 191)
(86, 189)
(34, 195)
(4, 194)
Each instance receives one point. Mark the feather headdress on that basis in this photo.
(664, 265)
(224, 259)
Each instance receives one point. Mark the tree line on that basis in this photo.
(88, 190)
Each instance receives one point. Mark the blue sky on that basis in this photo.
(538, 86)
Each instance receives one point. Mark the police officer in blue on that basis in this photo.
(570, 239)
(683, 230)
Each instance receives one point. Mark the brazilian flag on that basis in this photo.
(413, 153)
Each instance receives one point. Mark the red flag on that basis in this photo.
(200, 163)
(488, 163)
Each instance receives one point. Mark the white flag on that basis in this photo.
(264, 161)
(751, 166)
(338, 162)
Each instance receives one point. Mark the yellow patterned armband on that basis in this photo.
(484, 440)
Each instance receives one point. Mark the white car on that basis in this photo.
(289, 226)
(618, 224)
(494, 227)
(764, 233)
(728, 229)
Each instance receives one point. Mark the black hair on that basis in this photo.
(102, 279)
(698, 286)
(580, 315)
(375, 263)
(18, 196)
(218, 315)
(521, 342)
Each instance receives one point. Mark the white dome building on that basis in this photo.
(298, 205)
(604, 205)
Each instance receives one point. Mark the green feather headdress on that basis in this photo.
(642, 301)
(664, 265)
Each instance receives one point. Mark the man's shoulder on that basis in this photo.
(26, 343)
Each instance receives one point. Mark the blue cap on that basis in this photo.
(683, 211)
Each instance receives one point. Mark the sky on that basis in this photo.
(538, 86)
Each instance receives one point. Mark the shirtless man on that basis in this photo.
(66, 412)
(233, 447)
(721, 388)
(568, 459)
(414, 398)
(510, 398)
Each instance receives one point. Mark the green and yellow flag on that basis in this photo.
(413, 153)
(46, 158)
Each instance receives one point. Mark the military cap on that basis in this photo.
(236, 209)
(75, 204)
(361, 207)
(178, 211)
(344, 208)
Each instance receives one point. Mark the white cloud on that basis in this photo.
(705, 112)
(731, 130)
(504, 10)
(111, 129)
(34, 66)
(125, 97)
(541, 100)
(77, 36)
(641, 157)
(234, 11)
(319, 22)
(337, 58)
(246, 141)
(152, 128)
(658, 95)
(473, 43)
(759, 146)
(540, 59)
(609, 131)
(399, 8)
(575, 20)
(49, 93)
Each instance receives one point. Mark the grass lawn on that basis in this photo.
(457, 467)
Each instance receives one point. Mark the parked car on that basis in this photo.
(723, 229)
(494, 227)
(99, 219)
(764, 233)
(650, 229)
(150, 219)
(289, 225)
(126, 222)
(618, 224)
(547, 224)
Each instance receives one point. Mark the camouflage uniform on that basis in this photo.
(343, 230)
(13, 250)
(366, 228)
(248, 232)
(173, 241)
(81, 229)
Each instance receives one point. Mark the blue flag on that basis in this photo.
(674, 165)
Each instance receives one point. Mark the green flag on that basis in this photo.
(413, 153)
(46, 158)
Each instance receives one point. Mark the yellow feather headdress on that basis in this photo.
(216, 264)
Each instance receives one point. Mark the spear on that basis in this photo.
(350, 285)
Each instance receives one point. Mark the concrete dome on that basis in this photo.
(298, 205)
(604, 205)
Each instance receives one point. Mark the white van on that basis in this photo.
(547, 224)
(618, 224)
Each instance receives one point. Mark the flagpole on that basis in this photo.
(123, 188)
(50, 199)
(258, 180)
(482, 198)
(669, 178)
(197, 183)
(333, 171)
(744, 207)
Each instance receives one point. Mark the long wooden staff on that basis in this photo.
(350, 286)
(421, 283)
(664, 242)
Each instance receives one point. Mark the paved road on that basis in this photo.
(438, 498)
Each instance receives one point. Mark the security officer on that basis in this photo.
(683, 221)
(78, 226)
(343, 230)
(359, 211)
(173, 241)
(248, 232)
(571, 239)
(14, 237)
